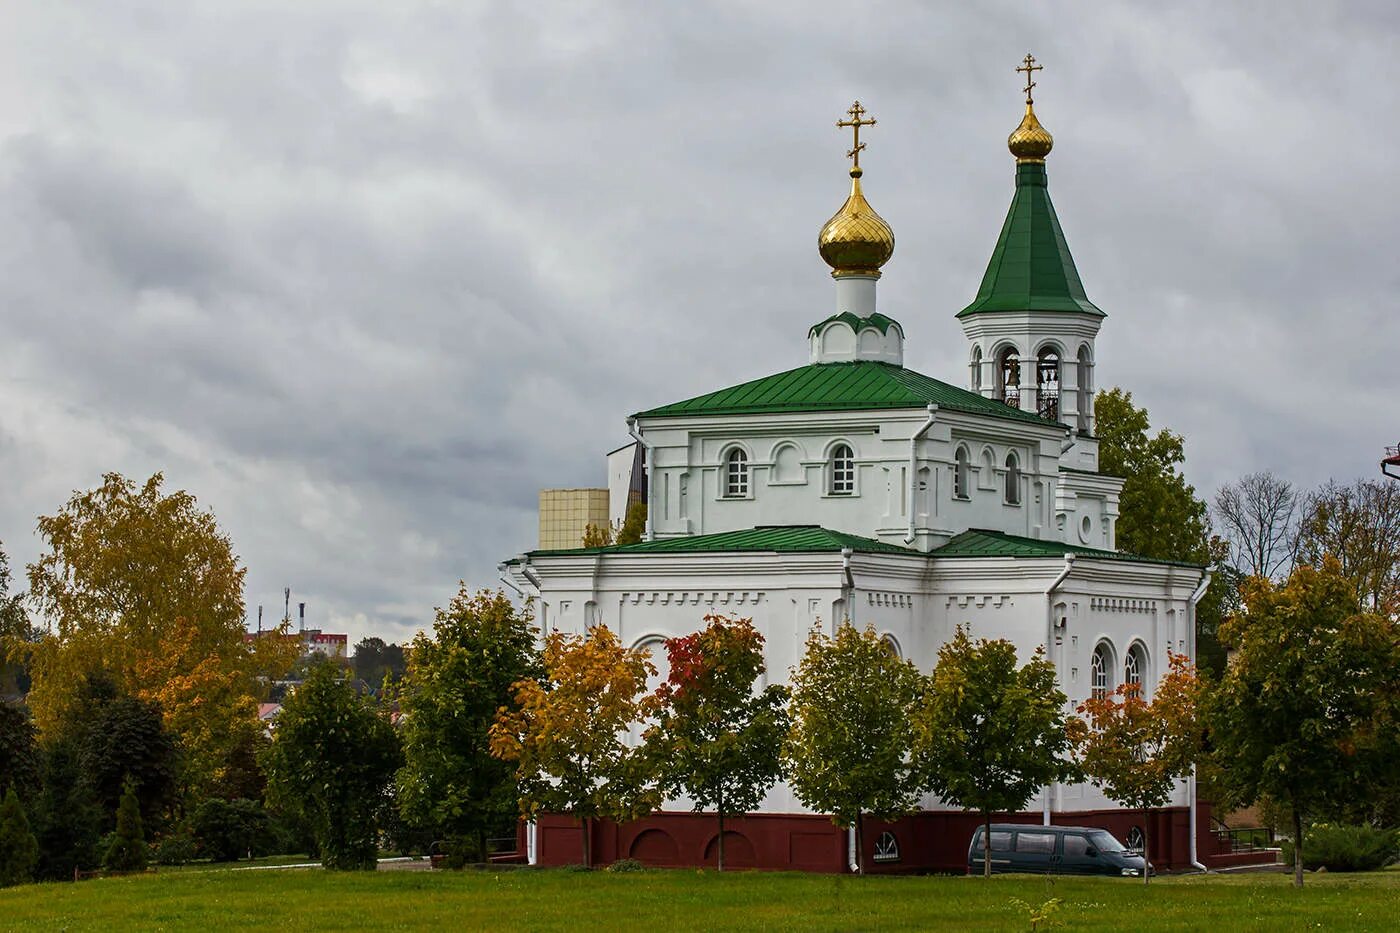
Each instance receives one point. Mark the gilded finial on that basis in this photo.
(855, 123)
(1030, 142)
(856, 240)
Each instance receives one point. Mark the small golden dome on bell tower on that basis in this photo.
(856, 240)
(1030, 142)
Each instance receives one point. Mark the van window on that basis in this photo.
(1105, 842)
(1039, 843)
(1001, 842)
(1075, 846)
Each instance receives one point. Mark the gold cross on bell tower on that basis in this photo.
(1029, 66)
(855, 123)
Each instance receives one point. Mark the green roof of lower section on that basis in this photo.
(1031, 268)
(855, 386)
(980, 542)
(790, 538)
(857, 323)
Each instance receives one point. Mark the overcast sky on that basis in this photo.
(364, 277)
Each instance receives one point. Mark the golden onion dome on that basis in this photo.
(1030, 142)
(856, 240)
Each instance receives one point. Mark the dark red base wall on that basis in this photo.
(931, 841)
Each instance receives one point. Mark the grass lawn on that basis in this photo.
(689, 900)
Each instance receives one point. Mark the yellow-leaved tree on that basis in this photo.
(143, 585)
(566, 734)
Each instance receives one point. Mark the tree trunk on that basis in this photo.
(986, 843)
(481, 846)
(721, 837)
(587, 849)
(860, 844)
(1297, 847)
(1146, 844)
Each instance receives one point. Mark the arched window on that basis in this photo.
(1086, 388)
(892, 646)
(736, 474)
(1047, 384)
(1009, 377)
(1134, 666)
(1099, 666)
(843, 470)
(976, 381)
(960, 474)
(1013, 480)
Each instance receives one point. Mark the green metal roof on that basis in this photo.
(854, 386)
(980, 542)
(1031, 268)
(786, 538)
(857, 323)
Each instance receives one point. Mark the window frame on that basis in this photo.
(736, 483)
(1011, 491)
(1100, 667)
(962, 473)
(841, 471)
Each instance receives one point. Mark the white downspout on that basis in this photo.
(1191, 780)
(637, 436)
(1050, 653)
(850, 587)
(851, 851)
(914, 468)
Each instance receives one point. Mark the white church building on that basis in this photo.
(851, 487)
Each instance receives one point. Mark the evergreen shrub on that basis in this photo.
(1338, 847)
(19, 852)
(125, 849)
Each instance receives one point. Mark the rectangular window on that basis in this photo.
(1076, 846)
(1036, 843)
(1001, 842)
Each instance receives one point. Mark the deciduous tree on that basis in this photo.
(20, 763)
(16, 635)
(718, 737)
(1359, 525)
(565, 733)
(457, 679)
(142, 584)
(1299, 717)
(848, 752)
(990, 732)
(1136, 749)
(123, 741)
(330, 764)
(1257, 514)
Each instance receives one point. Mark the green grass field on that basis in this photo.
(688, 900)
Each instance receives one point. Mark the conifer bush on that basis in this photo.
(19, 852)
(126, 850)
(1338, 847)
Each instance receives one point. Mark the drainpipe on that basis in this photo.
(850, 590)
(914, 465)
(851, 854)
(637, 436)
(1050, 649)
(531, 851)
(1191, 781)
(501, 569)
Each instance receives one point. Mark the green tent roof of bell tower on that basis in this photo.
(1031, 268)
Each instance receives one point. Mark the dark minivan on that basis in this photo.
(1062, 850)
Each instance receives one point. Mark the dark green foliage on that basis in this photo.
(1347, 848)
(20, 763)
(330, 764)
(126, 848)
(457, 679)
(175, 848)
(376, 662)
(228, 830)
(66, 819)
(243, 776)
(126, 738)
(19, 851)
(634, 525)
(626, 865)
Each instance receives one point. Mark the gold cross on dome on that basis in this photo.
(1029, 66)
(855, 123)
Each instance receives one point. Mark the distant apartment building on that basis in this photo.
(334, 646)
(565, 513)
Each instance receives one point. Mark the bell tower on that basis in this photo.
(1031, 326)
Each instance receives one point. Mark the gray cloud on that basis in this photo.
(364, 277)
